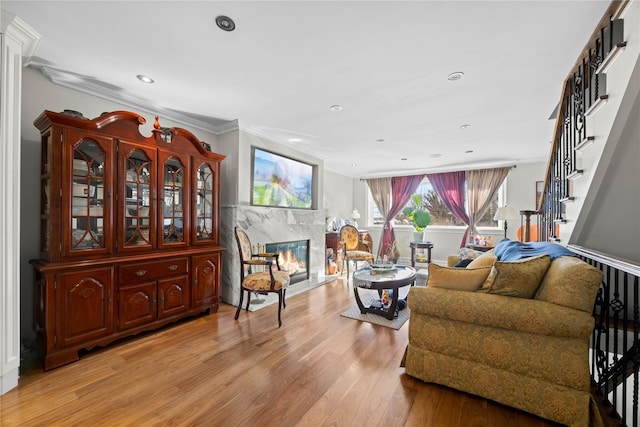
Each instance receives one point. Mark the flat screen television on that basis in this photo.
(279, 181)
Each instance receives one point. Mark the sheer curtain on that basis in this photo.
(481, 187)
(450, 188)
(402, 188)
(381, 193)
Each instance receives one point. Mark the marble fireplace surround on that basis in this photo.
(268, 225)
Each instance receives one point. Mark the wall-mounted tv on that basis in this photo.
(280, 181)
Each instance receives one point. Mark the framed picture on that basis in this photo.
(539, 190)
(280, 181)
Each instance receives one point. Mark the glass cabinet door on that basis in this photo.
(88, 210)
(172, 201)
(139, 185)
(204, 204)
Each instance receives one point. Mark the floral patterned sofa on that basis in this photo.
(516, 332)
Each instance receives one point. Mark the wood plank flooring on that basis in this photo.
(318, 369)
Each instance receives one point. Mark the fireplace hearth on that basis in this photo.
(293, 257)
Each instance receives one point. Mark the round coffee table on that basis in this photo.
(380, 279)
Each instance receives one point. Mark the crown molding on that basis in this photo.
(112, 93)
(17, 29)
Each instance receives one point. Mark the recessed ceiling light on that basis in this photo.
(353, 165)
(225, 23)
(463, 127)
(294, 140)
(468, 152)
(144, 79)
(435, 155)
(403, 159)
(455, 76)
(336, 107)
(380, 140)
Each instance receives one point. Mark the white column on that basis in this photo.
(17, 43)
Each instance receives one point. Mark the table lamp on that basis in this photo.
(354, 217)
(505, 213)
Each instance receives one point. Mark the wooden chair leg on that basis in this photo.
(248, 300)
(347, 270)
(279, 308)
(284, 298)
(239, 304)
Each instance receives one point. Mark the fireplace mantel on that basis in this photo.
(266, 225)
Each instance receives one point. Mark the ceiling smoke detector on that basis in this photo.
(225, 23)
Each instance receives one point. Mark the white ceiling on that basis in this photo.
(287, 63)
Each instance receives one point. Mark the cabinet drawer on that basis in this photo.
(152, 270)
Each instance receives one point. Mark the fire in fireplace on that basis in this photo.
(293, 257)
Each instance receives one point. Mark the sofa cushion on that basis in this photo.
(525, 315)
(462, 279)
(485, 260)
(518, 278)
(570, 282)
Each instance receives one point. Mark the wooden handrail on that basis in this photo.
(621, 264)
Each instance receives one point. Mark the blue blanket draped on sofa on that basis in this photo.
(512, 250)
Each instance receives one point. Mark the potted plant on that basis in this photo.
(419, 217)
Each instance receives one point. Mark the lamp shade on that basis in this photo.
(505, 213)
(355, 214)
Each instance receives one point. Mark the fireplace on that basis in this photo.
(293, 257)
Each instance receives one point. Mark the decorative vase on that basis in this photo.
(418, 236)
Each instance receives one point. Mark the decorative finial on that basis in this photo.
(156, 124)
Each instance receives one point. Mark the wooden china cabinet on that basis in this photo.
(129, 230)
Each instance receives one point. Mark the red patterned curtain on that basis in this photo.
(450, 188)
(402, 188)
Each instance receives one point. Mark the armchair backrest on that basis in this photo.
(349, 237)
(244, 249)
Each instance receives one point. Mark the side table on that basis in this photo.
(393, 279)
(420, 245)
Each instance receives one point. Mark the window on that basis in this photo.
(440, 215)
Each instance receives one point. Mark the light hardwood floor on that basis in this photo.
(319, 369)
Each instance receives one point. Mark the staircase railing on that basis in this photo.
(615, 342)
(584, 91)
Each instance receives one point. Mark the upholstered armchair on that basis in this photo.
(266, 281)
(354, 249)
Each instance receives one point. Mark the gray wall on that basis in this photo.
(613, 223)
(338, 196)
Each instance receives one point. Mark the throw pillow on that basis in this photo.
(485, 260)
(518, 278)
(466, 253)
(570, 282)
(461, 279)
